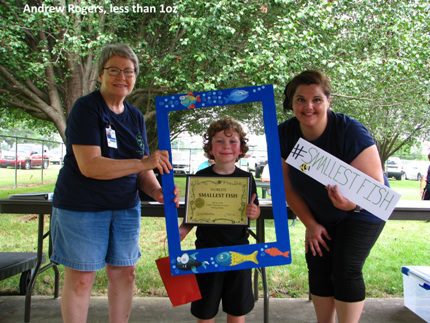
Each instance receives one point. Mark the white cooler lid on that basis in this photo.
(422, 272)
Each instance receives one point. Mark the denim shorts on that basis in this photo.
(87, 241)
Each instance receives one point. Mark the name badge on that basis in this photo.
(111, 138)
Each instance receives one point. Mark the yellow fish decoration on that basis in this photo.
(232, 258)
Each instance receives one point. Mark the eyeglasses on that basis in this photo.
(115, 71)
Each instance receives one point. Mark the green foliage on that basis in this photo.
(17, 123)
(382, 80)
(376, 54)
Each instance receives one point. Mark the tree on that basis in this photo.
(383, 79)
(376, 54)
(48, 58)
(19, 121)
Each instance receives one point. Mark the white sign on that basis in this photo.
(356, 186)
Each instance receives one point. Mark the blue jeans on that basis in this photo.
(87, 241)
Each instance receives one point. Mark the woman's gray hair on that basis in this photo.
(121, 50)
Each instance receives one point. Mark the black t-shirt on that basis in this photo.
(210, 236)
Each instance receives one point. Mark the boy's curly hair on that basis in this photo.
(227, 125)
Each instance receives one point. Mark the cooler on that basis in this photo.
(416, 290)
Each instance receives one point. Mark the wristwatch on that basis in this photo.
(357, 208)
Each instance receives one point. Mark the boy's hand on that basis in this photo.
(184, 229)
(252, 210)
(177, 195)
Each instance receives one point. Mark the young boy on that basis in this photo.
(225, 143)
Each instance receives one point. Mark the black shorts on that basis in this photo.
(338, 272)
(234, 288)
(426, 193)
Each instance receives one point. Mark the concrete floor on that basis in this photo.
(159, 309)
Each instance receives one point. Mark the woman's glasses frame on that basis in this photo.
(116, 71)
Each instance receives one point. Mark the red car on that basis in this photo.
(27, 156)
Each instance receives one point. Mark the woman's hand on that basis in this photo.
(158, 159)
(252, 210)
(315, 238)
(159, 197)
(339, 201)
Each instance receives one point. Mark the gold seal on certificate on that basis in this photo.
(216, 200)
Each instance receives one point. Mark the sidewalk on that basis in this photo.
(159, 310)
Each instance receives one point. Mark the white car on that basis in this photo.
(416, 169)
(394, 168)
(181, 161)
(56, 156)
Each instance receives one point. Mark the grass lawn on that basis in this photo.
(27, 180)
(410, 190)
(401, 243)
(30, 181)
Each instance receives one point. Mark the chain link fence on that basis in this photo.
(28, 161)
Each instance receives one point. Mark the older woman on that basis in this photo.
(339, 234)
(96, 214)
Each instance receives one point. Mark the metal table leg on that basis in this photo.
(265, 294)
(261, 238)
(38, 269)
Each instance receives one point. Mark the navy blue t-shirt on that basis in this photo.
(210, 236)
(344, 138)
(86, 125)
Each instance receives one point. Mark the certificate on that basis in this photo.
(216, 200)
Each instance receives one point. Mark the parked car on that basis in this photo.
(56, 156)
(243, 164)
(416, 169)
(394, 168)
(181, 162)
(26, 156)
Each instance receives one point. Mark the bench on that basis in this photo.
(13, 263)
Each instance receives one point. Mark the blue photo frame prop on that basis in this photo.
(226, 258)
